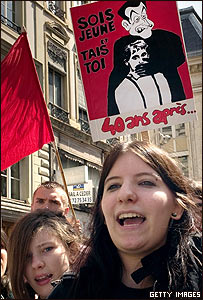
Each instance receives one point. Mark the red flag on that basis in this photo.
(25, 123)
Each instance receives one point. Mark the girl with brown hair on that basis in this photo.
(42, 246)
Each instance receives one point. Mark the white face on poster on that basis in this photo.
(138, 23)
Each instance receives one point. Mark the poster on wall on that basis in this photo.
(133, 65)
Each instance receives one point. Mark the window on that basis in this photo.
(53, 4)
(10, 182)
(180, 129)
(174, 137)
(81, 95)
(55, 8)
(55, 87)
(165, 137)
(8, 14)
(4, 183)
(167, 130)
(134, 136)
(184, 164)
(83, 119)
(77, 3)
(8, 10)
(39, 72)
(56, 103)
(83, 114)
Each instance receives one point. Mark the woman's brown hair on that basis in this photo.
(19, 244)
(101, 253)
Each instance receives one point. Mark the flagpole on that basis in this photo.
(64, 180)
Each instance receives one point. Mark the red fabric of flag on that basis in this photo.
(25, 123)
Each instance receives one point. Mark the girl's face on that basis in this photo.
(47, 260)
(3, 261)
(137, 206)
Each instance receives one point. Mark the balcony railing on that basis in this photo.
(85, 127)
(59, 113)
(10, 24)
(56, 10)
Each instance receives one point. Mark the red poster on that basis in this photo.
(133, 65)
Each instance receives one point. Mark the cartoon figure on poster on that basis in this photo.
(133, 66)
(146, 62)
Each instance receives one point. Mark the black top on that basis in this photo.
(124, 292)
(65, 291)
(155, 265)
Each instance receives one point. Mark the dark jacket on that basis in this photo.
(155, 264)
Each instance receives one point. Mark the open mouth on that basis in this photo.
(141, 28)
(127, 219)
(43, 278)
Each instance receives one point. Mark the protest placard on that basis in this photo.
(133, 65)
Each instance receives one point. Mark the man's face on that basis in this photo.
(138, 24)
(52, 199)
(138, 54)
